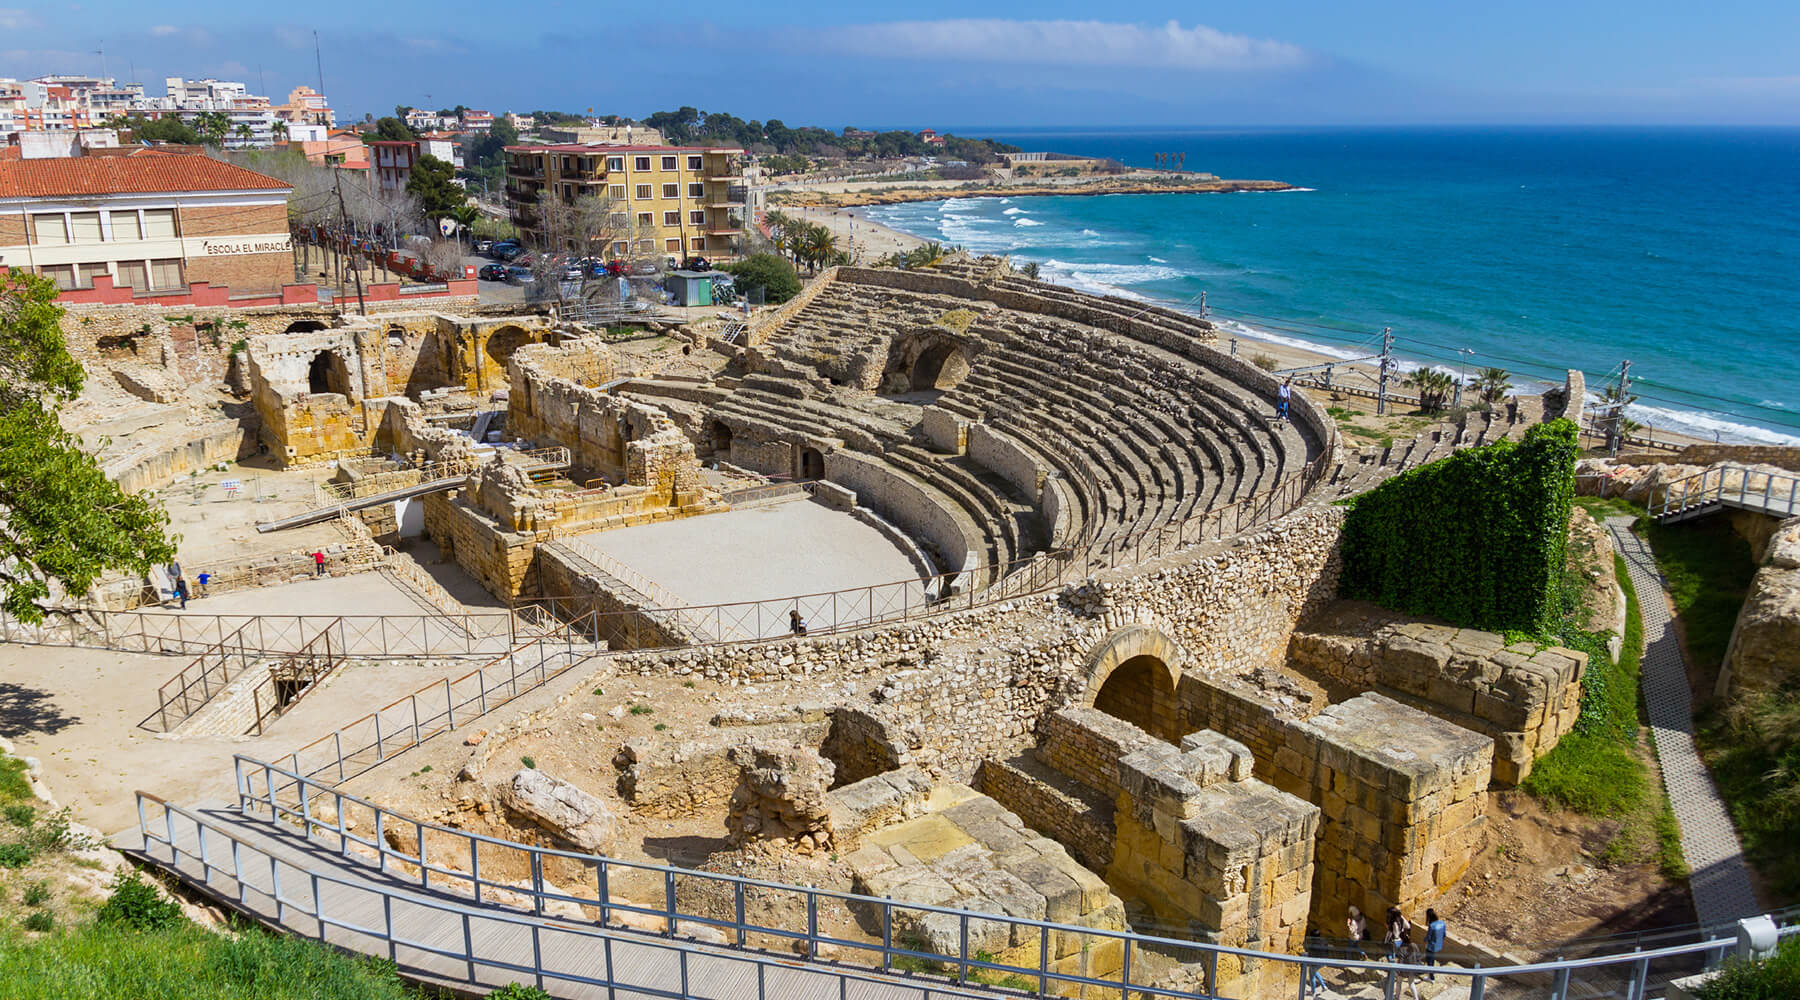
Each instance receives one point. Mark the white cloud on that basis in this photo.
(164, 30)
(14, 19)
(1068, 43)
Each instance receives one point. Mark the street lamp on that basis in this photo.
(1462, 372)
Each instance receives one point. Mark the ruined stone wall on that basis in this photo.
(502, 561)
(159, 463)
(1761, 654)
(624, 618)
(953, 537)
(1083, 825)
(1524, 696)
(1087, 744)
(1005, 458)
(863, 742)
(770, 324)
(946, 431)
(1780, 456)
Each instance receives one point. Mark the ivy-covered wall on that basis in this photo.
(1476, 539)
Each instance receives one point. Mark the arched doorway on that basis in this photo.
(304, 326)
(812, 464)
(504, 342)
(1133, 676)
(942, 366)
(328, 373)
(719, 438)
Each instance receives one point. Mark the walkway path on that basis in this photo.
(310, 891)
(1721, 881)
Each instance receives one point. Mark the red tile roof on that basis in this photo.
(99, 175)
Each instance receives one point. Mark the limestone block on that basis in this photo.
(565, 810)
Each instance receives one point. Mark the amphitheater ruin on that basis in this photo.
(1080, 661)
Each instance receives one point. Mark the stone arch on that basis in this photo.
(718, 436)
(328, 373)
(304, 326)
(812, 464)
(941, 366)
(503, 342)
(1134, 675)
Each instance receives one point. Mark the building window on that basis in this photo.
(640, 163)
(125, 226)
(86, 273)
(671, 190)
(62, 274)
(132, 273)
(643, 191)
(84, 227)
(696, 190)
(669, 163)
(698, 243)
(619, 248)
(166, 273)
(159, 223)
(615, 163)
(697, 217)
(644, 218)
(48, 228)
(694, 163)
(646, 246)
(616, 191)
(671, 218)
(672, 245)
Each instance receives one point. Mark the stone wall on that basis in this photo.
(624, 618)
(954, 539)
(1780, 456)
(1066, 813)
(671, 780)
(1761, 655)
(1524, 696)
(159, 463)
(1007, 459)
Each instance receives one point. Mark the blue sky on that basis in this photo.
(931, 62)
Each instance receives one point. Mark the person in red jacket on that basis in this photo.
(319, 562)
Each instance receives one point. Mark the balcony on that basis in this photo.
(734, 196)
(729, 226)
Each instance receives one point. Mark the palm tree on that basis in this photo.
(243, 131)
(820, 244)
(1492, 384)
(280, 131)
(465, 216)
(1432, 387)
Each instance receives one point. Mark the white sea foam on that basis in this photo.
(1015, 210)
(1289, 190)
(1706, 424)
(952, 204)
(1157, 260)
(1026, 222)
(1089, 232)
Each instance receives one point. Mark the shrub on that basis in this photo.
(19, 814)
(1477, 539)
(137, 904)
(1777, 978)
(528, 762)
(37, 893)
(1266, 362)
(41, 921)
(518, 991)
(779, 281)
(16, 855)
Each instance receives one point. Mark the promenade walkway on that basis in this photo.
(1721, 881)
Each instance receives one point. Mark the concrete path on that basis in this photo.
(1721, 881)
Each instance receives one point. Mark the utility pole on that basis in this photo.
(1616, 432)
(1462, 372)
(1387, 363)
(337, 185)
(1203, 305)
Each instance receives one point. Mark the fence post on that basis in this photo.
(669, 901)
(424, 873)
(468, 946)
(414, 699)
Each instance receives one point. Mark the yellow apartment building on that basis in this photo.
(684, 200)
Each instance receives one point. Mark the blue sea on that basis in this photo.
(1534, 250)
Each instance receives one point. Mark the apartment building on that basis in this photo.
(393, 160)
(306, 106)
(687, 200)
(146, 220)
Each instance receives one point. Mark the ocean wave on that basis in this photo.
(1026, 222)
(1293, 190)
(1157, 260)
(952, 204)
(1089, 233)
(1706, 424)
(1015, 210)
(1241, 329)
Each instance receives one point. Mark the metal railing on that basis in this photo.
(433, 710)
(189, 690)
(305, 669)
(442, 940)
(1779, 492)
(887, 934)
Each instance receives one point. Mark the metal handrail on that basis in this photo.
(221, 650)
(314, 660)
(387, 824)
(1679, 496)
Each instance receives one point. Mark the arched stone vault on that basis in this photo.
(1144, 667)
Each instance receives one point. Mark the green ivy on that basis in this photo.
(1476, 539)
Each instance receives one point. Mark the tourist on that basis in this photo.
(1435, 933)
(181, 591)
(1282, 396)
(1315, 948)
(796, 624)
(204, 578)
(1407, 953)
(1397, 930)
(318, 562)
(1356, 928)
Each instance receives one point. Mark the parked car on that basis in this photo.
(696, 264)
(520, 275)
(506, 251)
(645, 267)
(492, 272)
(482, 246)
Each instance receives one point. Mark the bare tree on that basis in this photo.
(444, 257)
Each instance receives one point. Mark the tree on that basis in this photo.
(1433, 387)
(244, 131)
(1492, 383)
(433, 183)
(213, 127)
(64, 522)
(390, 130)
(170, 129)
(775, 276)
(280, 131)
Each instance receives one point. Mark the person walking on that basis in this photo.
(1435, 934)
(318, 562)
(1315, 948)
(1408, 954)
(1397, 930)
(796, 624)
(1356, 928)
(204, 579)
(181, 591)
(1282, 397)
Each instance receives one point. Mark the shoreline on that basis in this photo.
(907, 194)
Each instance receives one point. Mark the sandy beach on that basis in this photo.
(865, 241)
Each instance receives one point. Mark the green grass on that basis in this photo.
(184, 962)
(1708, 568)
(1596, 769)
(1603, 508)
(1753, 748)
(13, 785)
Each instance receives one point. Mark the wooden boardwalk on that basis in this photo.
(303, 888)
